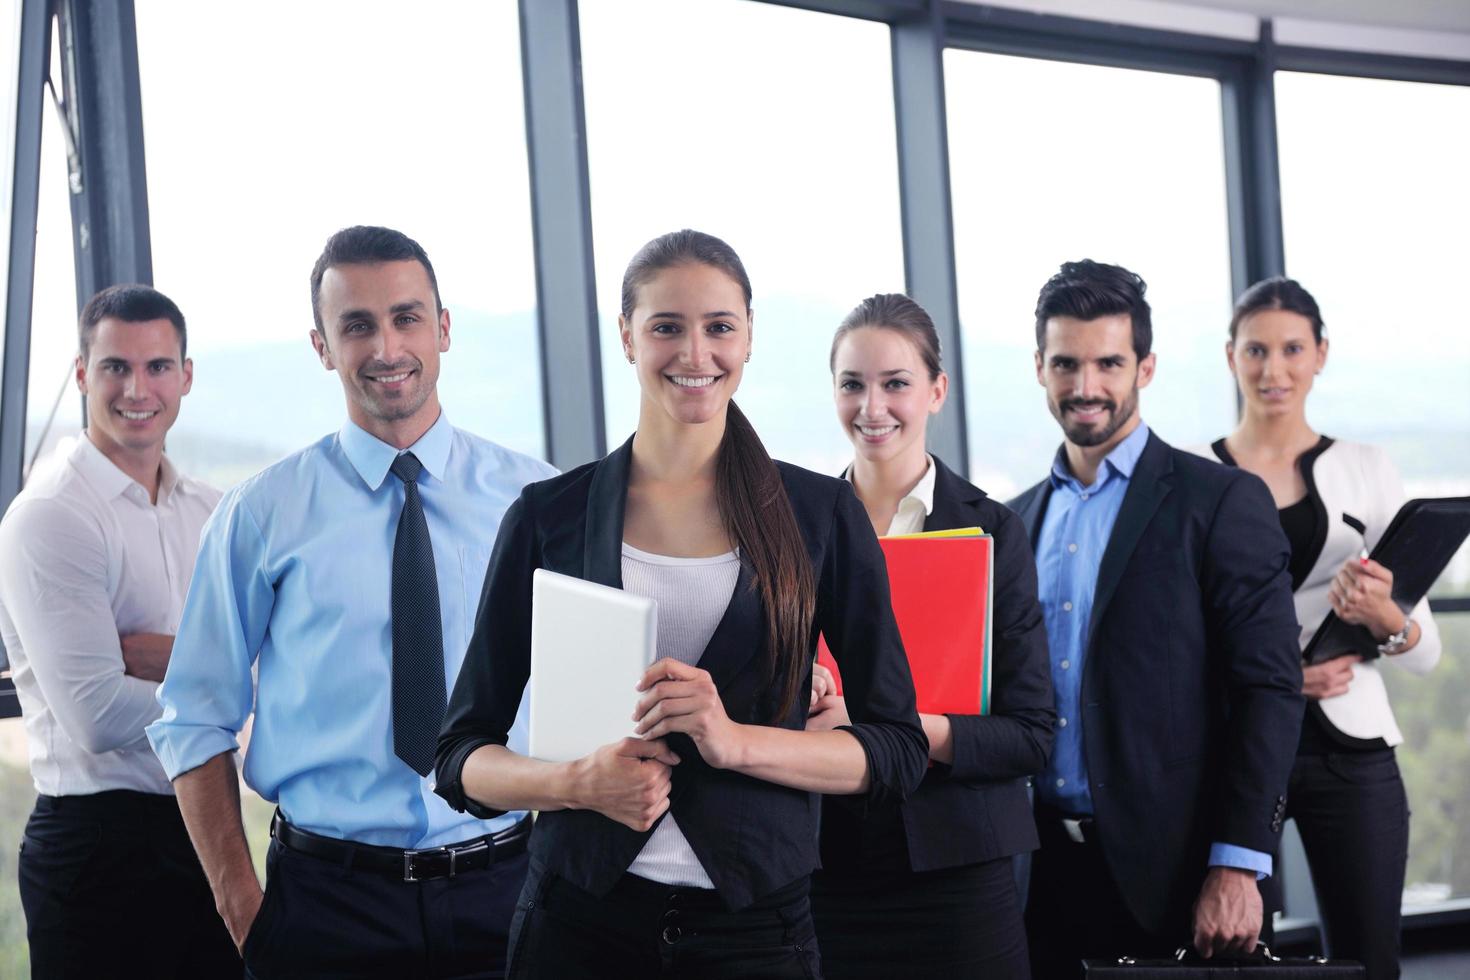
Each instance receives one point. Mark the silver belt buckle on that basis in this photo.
(408, 856)
(1074, 830)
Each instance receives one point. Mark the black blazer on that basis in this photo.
(976, 808)
(751, 836)
(1191, 688)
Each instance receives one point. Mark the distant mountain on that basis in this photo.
(252, 405)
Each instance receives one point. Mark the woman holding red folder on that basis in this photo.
(924, 888)
(1346, 793)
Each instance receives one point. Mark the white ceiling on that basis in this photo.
(1424, 15)
(1424, 28)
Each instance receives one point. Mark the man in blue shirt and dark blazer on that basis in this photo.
(347, 576)
(1163, 581)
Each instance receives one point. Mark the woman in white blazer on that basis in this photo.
(1345, 793)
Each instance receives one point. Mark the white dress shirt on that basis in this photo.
(85, 557)
(914, 509)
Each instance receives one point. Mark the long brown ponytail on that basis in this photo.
(752, 499)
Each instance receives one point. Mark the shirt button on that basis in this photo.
(1066, 664)
(1061, 723)
(1067, 606)
(1072, 548)
(1061, 783)
(1085, 496)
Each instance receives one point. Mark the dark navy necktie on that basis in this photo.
(418, 634)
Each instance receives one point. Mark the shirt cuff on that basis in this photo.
(184, 747)
(1241, 858)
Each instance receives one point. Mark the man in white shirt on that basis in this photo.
(95, 558)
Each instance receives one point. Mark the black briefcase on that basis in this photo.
(1187, 965)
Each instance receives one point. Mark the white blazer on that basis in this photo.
(1360, 480)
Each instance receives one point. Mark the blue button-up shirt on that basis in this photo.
(294, 578)
(1074, 535)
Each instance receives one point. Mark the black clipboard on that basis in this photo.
(1420, 541)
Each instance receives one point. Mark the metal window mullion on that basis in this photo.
(34, 61)
(566, 290)
(1252, 167)
(1025, 33)
(881, 10)
(927, 213)
(1358, 64)
(109, 203)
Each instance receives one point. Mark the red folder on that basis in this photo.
(941, 589)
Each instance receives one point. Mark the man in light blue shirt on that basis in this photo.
(1169, 618)
(347, 577)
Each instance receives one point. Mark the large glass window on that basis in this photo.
(773, 129)
(17, 795)
(1051, 162)
(16, 791)
(9, 70)
(271, 128)
(1375, 205)
(53, 404)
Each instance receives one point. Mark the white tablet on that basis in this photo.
(589, 646)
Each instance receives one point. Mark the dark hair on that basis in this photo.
(1087, 290)
(1277, 293)
(130, 303)
(893, 311)
(752, 499)
(367, 245)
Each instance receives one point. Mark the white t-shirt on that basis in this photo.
(692, 596)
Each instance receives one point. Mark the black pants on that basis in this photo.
(1075, 911)
(111, 887)
(321, 919)
(945, 924)
(644, 929)
(1353, 816)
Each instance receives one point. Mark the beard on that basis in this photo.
(1081, 434)
(399, 405)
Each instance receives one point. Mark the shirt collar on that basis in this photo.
(371, 456)
(108, 478)
(1120, 461)
(923, 491)
(168, 479)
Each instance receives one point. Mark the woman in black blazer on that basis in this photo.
(924, 887)
(716, 807)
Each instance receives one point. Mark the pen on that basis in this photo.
(1362, 530)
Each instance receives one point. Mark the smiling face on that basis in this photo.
(1092, 377)
(134, 377)
(384, 337)
(883, 393)
(689, 335)
(1275, 358)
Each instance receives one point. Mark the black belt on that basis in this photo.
(407, 865)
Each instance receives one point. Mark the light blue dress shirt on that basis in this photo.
(1074, 535)
(293, 578)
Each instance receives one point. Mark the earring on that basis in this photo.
(747, 357)
(629, 355)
